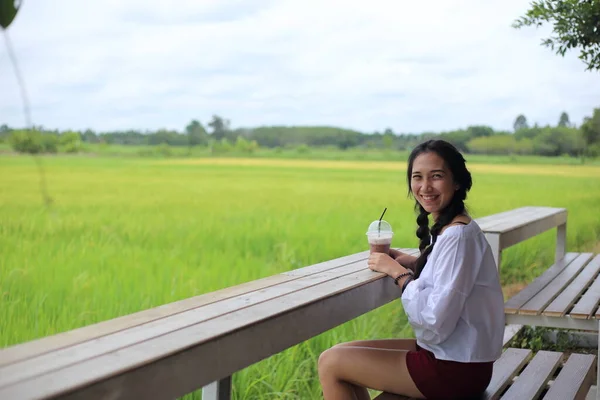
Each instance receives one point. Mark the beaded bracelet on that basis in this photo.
(408, 273)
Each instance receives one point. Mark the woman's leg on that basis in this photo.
(344, 372)
(389, 344)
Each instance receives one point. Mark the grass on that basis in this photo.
(127, 233)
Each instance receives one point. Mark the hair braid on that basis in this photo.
(456, 207)
(423, 232)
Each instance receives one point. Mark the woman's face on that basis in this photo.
(432, 183)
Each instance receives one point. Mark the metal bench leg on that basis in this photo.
(219, 390)
(561, 241)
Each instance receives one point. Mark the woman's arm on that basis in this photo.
(403, 259)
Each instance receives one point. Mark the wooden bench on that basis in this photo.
(565, 296)
(508, 228)
(174, 349)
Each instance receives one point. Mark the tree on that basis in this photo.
(196, 133)
(576, 25)
(219, 126)
(480, 130)
(590, 130)
(564, 120)
(520, 123)
(8, 11)
(388, 138)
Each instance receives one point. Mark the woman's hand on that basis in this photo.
(381, 262)
(396, 253)
(407, 261)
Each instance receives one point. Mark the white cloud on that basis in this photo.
(412, 66)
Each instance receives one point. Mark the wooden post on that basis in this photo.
(219, 390)
(561, 241)
(494, 241)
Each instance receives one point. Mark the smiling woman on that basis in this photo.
(451, 294)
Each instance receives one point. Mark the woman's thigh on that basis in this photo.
(390, 344)
(375, 368)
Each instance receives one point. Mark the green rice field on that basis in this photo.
(123, 234)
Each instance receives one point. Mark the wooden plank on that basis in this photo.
(527, 215)
(534, 215)
(530, 216)
(489, 221)
(511, 219)
(575, 379)
(327, 265)
(545, 296)
(563, 302)
(195, 356)
(510, 331)
(588, 303)
(526, 231)
(534, 378)
(505, 369)
(513, 304)
(44, 345)
(68, 356)
(553, 322)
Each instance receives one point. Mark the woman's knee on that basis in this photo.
(328, 360)
(347, 344)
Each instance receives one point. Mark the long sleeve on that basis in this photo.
(434, 306)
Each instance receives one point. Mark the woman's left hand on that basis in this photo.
(381, 262)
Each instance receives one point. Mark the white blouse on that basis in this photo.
(456, 307)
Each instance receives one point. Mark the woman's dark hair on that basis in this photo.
(456, 163)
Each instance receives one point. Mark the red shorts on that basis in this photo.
(442, 379)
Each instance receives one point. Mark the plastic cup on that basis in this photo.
(379, 235)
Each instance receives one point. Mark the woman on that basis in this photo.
(451, 295)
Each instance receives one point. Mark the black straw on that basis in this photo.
(380, 218)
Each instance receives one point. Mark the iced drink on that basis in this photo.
(380, 236)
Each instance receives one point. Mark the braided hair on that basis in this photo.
(456, 163)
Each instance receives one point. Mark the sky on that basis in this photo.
(411, 66)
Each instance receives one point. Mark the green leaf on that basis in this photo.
(8, 11)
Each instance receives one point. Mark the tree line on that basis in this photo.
(564, 138)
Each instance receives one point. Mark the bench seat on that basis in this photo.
(566, 295)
